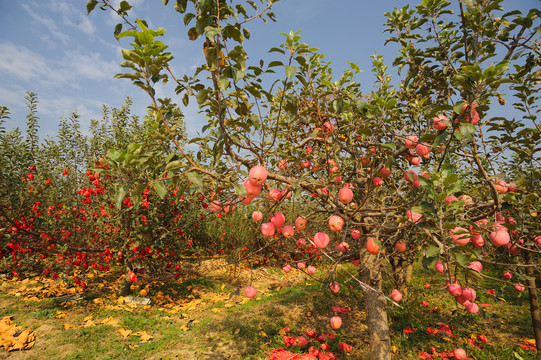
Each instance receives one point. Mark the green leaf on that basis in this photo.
(195, 178)
(159, 187)
(187, 18)
(458, 107)
(165, 2)
(180, 6)
(290, 71)
(432, 251)
(90, 6)
(173, 165)
(120, 196)
(125, 6)
(467, 130)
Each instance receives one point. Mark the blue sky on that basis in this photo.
(69, 59)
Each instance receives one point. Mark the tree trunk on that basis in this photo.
(125, 286)
(376, 309)
(534, 303)
(402, 271)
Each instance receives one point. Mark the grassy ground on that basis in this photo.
(210, 318)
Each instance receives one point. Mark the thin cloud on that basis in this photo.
(47, 22)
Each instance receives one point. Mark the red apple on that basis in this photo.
(378, 181)
(300, 223)
(278, 220)
(356, 234)
(321, 240)
(336, 223)
(411, 141)
(268, 229)
(499, 237)
(345, 195)
(336, 322)
(257, 215)
(396, 295)
(258, 174)
(250, 291)
(437, 122)
(371, 246)
(288, 231)
(400, 246)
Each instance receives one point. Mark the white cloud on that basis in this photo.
(23, 64)
(45, 21)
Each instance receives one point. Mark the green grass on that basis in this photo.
(252, 329)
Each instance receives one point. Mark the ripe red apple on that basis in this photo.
(449, 199)
(335, 287)
(252, 190)
(411, 141)
(282, 164)
(215, 206)
(472, 308)
(275, 195)
(258, 174)
(460, 236)
(396, 295)
(268, 229)
(278, 220)
(499, 237)
(250, 291)
(520, 287)
(301, 264)
(356, 234)
(467, 199)
(300, 223)
(288, 231)
(478, 240)
(507, 275)
(415, 160)
(501, 187)
(459, 353)
(455, 290)
(422, 149)
(311, 270)
(336, 322)
(345, 195)
(305, 164)
(301, 242)
(378, 181)
(321, 240)
(385, 172)
(343, 247)
(257, 215)
(400, 246)
(286, 268)
(410, 176)
(469, 294)
(476, 266)
(132, 276)
(415, 217)
(437, 122)
(371, 246)
(336, 223)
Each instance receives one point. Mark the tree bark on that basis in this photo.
(534, 303)
(376, 308)
(402, 271)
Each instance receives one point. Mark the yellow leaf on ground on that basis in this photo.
(98, 301)
(217, 310)
(222, 287)
(236, 332)
(394, 349)
(262, 333)
(229, 305)
(144, 336)
(109, 321)
(69, 326)
(60, 315)
(125, 333)
(88, 318)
